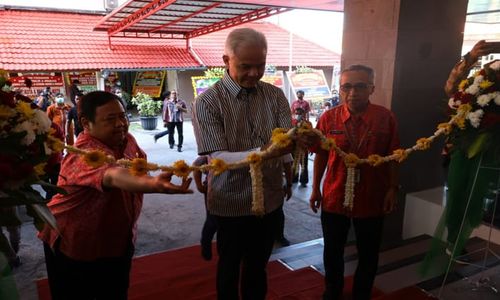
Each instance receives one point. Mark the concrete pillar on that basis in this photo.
(412, 45)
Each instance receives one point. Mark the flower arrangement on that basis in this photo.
(26, 155)
(146, 106)
(478, 103)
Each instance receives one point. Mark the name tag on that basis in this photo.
(336, 132)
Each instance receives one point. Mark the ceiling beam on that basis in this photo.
(248, 17)
(139, 15)
(186, 17)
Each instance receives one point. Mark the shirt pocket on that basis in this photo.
(378, 141)
(340, 138)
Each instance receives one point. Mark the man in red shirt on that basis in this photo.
(300, 102)
(362, 128)
(89, 256)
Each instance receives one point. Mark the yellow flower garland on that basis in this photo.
(280, 138)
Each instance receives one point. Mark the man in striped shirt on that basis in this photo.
(231, 119)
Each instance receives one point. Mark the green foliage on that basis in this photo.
(303, 69)
(127, 98)
(215, 72)
(146, 106)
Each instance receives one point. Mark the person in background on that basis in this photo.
(299, 116)
(362, 128)
(10, 245)
(175, 109)
(164, 115)
(210, 224)
(74, 91)
(58, 113)
(300, 102)
(233, 118)
(73, 121)
(89, 255)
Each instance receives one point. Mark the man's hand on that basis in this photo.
(315, 200)
(307, 139)
(390, 200)
(164, 185)
(482, 48)
(165, 124)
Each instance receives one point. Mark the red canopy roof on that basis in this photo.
(55, 41)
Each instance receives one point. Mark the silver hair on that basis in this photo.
(362, 68)
(244, 36)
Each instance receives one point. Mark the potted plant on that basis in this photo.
(148, 110)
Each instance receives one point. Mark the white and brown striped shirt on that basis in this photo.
(230, 118)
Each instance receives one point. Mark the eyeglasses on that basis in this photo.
(361, 86)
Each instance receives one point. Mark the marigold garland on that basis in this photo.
(280, 138)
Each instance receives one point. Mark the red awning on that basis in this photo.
(56, 41)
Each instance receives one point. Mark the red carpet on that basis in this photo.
(182, 274)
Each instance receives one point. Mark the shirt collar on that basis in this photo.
(234, 88)
(346, 114)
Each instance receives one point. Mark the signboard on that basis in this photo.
(40, 81)
(88, 81)
(275, 78)
(312, 83)
(149, 82)
(202, 83)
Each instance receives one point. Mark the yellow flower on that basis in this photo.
(485, 84)
(328, 144)
(219, 166)
(40, 169)
(423, 143)
(6, 112)
(94, 158)
(460, 121)
(254, 158)
(278, 131)
(446, 127)
(54, 143)
(281, 140)
(181, 168)
(25, 109)
(139, 167)
(400, 154)
(351, 160)
(375, 160)
(462, 85)
(464, 109)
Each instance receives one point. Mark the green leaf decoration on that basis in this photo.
(478, 144)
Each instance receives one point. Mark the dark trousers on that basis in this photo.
(53, 177)
(161, 134)
(280, 229)
(106, 278)
(209, 227)
(368, 236)
(244, 245)
(171, 126)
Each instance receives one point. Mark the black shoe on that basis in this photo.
(283, 241)
(156, 138)
(171, 146)
(303, 185)
(179, 149)
(206, 250)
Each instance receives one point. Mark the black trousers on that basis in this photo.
(244, 245)
(171, 126)
(69, 279)
(368, 236)
(161, 134)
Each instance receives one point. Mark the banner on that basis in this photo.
(275, 78)
(202, 83)
(149, 82)
(312, 83)
(40, 81)
(88, 81)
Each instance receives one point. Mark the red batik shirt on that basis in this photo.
(372, 132)
(93, 221)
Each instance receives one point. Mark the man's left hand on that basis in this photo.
(390, 200)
